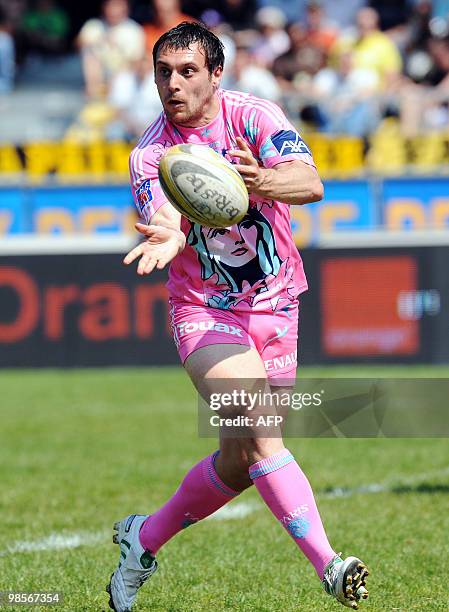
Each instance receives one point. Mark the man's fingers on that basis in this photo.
(237, 153)
(244, 156)
(243, 144)
(133, 255)
(162, 262)
(144, 263)
(246, 170)
(146, 230)
(150, 265)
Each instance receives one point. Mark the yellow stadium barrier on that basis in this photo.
(9, 160)
(342, 157)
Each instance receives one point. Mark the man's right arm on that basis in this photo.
(161, 222)
(167, 216)
(164, 240)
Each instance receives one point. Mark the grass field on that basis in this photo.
(80, 449)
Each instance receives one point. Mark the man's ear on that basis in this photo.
(216, 76)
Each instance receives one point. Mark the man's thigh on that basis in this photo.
(216, 365)
(274, 336)
(284, 393)
(221, 369)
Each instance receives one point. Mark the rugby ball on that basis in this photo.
(203, 186)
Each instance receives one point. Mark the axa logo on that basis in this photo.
(185, 328)
(289, 141)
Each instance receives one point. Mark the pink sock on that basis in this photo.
(200, 494)
(288, 494)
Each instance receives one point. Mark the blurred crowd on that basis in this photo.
(336, 67)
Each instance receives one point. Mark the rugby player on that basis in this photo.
(233, 304)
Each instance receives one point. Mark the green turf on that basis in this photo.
(80, 449)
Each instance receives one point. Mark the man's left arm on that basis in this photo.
(291, 182)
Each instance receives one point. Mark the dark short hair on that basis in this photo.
(186, 34)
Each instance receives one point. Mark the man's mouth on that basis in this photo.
(175, 103)
(239, 251)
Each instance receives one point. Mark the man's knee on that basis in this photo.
(256, 449)
(232, 465)
(237, 456)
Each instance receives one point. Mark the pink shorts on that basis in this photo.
(273, 335)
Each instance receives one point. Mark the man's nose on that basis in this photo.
(173, 83)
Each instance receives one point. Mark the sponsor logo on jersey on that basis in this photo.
(288, 142)
(282, 361)
(185, 328)
(144, 195)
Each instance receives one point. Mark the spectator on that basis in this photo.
(346, 98)
(374, 50)
(166, 14)
(294, 10)
(44, 28)
(136, 103)
(273, 40)
(342, 14)
(391, 14)
(424, 106)
(319, 32)
(109, 46)
(223, 31)
(300, 62)
(414, 42)
(7, 55)
(252, 78)
(14, 11)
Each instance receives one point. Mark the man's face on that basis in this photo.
(115, 11)
(367, 20)
(159, 6)
(186, 88)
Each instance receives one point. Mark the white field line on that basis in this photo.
(236, 510)
(56, 541)
(384, 487)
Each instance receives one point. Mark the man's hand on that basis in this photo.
(290, 182)
(160, 247)
(250, 171)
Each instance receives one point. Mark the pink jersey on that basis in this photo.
(253, 265)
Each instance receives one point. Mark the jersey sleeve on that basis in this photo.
(147, 192)
(273, 138)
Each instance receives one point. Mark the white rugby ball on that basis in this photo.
(203, 185)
